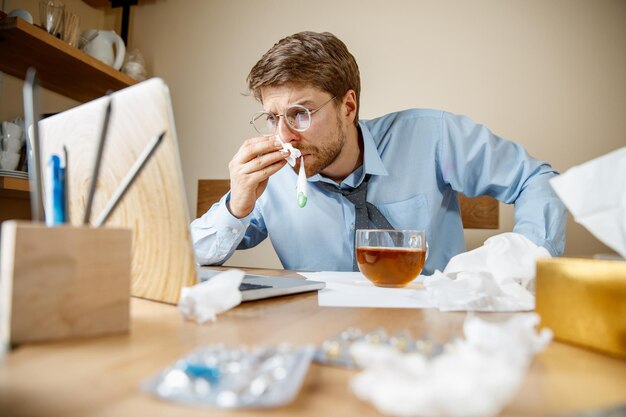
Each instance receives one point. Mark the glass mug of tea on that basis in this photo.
(391, 258)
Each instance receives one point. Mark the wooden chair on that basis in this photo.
(482, 212)
(209, 193)
(477, 213)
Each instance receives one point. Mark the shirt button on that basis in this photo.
(233, 231)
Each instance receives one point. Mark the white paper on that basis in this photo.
(204, 301)
(477, 376)
(595, 194)
(352, 289)
(498, 276)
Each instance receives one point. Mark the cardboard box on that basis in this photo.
(63, 282)
(583, 301)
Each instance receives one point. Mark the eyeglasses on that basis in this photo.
(297, 117)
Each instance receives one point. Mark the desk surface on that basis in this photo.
(101, 376)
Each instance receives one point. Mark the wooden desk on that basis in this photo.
(101, 376)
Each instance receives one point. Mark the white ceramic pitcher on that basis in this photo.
(100, 43)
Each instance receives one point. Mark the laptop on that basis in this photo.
(257, 287)
(155, 207)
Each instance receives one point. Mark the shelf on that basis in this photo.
(60, 67)
(98, 3)
(14, 199)
(13, 184)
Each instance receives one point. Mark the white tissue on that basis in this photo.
(498, 276)
(477, 376)
(294, 153)
(204, 301)
(595, 194)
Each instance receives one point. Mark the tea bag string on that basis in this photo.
(364, 211)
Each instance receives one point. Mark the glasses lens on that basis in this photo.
(264, 123)
(298, 117)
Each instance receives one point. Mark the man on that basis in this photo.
(409, 165)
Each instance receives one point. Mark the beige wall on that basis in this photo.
(547, 74)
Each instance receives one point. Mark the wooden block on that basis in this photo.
(63, 282)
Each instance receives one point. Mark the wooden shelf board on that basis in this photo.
(14, 184)
(61, 67)
(98, 3)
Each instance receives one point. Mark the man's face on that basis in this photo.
(323, 141)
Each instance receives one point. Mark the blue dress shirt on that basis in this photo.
(418, 161)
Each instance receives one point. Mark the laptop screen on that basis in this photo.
(155, 207)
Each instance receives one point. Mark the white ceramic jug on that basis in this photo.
(99, 44)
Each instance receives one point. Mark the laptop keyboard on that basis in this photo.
(244, 286)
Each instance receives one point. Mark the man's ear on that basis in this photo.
(349, 106)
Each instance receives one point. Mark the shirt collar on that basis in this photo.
(371, 161)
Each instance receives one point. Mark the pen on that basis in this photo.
(128, 180)
(31, 114)
(96, 166)
(55, 196)
(66, 187)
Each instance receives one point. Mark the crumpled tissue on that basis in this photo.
(595, 194)
(294, 153)
(204, 301)
(498, 276)
(477, 376)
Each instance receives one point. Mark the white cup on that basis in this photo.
(12, 130)
(10, 144)
(24, 14)
(9, 160)
(12, 137)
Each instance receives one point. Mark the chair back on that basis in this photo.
(477, 213)
(209, 193)
(482, 212)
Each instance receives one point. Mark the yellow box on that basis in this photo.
(63, 282)
(584, 302)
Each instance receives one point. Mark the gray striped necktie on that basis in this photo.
(364, 211)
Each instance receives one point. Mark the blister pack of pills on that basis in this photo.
(240, 377)
(336, 350)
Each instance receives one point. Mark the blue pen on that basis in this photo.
(55, 212)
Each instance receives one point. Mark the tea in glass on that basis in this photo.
(391, 258)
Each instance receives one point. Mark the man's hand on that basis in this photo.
(255, 161)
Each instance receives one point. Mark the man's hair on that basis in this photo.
(314, 59)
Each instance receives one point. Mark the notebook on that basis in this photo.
(155, 207)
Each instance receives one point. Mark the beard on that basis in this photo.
(319, 158)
